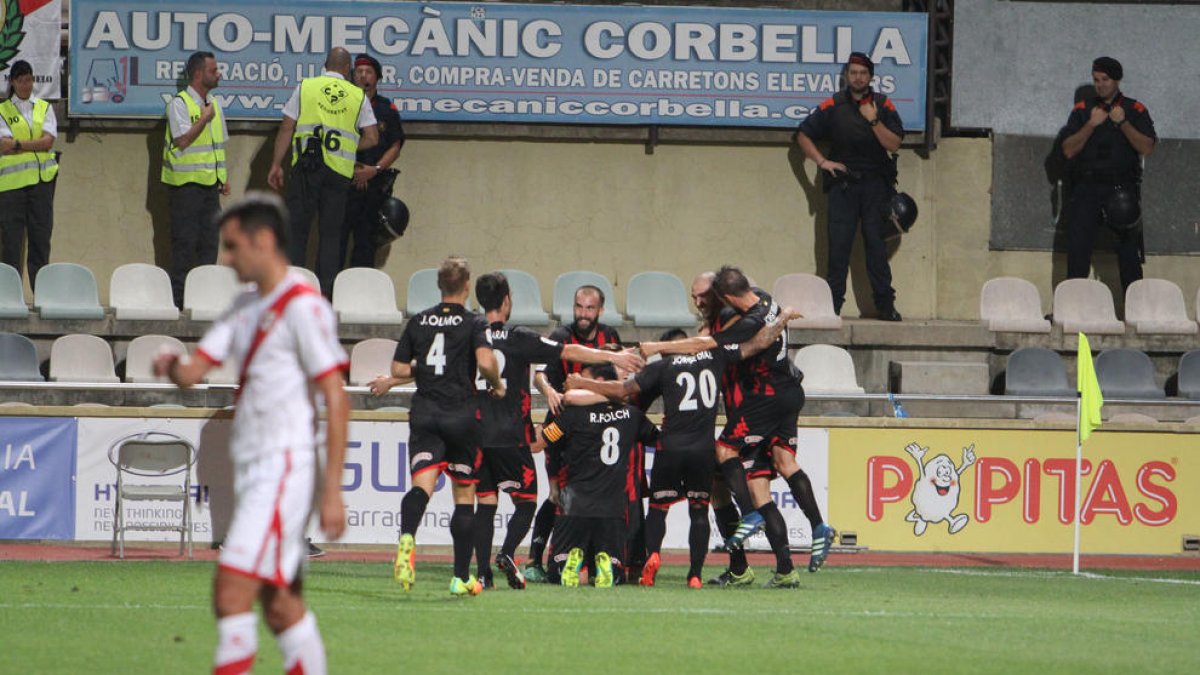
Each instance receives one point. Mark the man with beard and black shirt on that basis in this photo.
(683, 466)
(763, 398)
(508, 430)
(585, 330)
(589, 448)
(441, 348)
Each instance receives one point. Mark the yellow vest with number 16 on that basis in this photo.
(329, 112)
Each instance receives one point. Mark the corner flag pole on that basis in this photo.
(1078, 479)
(1088, 402)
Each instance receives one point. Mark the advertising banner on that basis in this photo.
(1013, 491)
(37, 470)
(31, 30)
(496, 62)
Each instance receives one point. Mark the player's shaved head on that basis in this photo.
(590, 289)
(453, 275)
(338, 60)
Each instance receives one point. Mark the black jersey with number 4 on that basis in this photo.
(758, 377)
(442, 341)
(506, 422)
(591, 446)
(689, 385)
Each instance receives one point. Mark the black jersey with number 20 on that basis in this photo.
(442, 341)
(690, 386)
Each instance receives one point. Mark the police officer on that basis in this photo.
(321, 124)
(859, 177)
(28, 168)
(1107, 135)
(194, 170)
(373, 175)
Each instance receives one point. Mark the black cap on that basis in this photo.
(368, 60)
(1109, 66)
(863, 60)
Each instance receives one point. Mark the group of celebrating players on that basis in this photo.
(471, 418)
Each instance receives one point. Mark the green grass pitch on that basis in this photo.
(154, 617)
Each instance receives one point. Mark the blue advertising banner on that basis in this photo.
(37, 478)
(495, 62)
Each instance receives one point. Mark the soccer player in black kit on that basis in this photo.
(589, 447)
(508, 430)
(441, 348)
(683, 466)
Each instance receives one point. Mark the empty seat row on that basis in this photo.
(1122, 373)
(1152, 306)
(89, 359)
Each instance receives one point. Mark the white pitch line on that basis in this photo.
(1028, 574)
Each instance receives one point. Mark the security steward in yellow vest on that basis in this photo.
(321, 125)
(193, 168)
(28, 168)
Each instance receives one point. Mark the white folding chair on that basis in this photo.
(153, 457)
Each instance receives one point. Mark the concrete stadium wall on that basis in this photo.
(548, 207)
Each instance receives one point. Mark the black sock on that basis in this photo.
(656, 529)
(543, 525)
(803, 492)
(727, 522)
(485, 527)
(412, 507)
(735, 479)
(518, 527)
(461, 524)
(698, 539)
(777, 535)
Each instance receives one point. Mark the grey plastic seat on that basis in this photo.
(12, 294)
(1189, 375)
(18, 359)
(161, 463)
(827, 369)
(658, 300)
(1036, 371)
(1012, 305)
(1086, 306)
(563, 303)
(422, 291)
(141, 291)
(67, 291)
(139, 358)
(1126, 373)
(208, 290)
(808, 294)
(526, 299)
(82, 358)
(1156, 306)
(371, 358)
(310, 277)
(365, 295)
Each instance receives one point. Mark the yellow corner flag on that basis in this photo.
(1090, 398)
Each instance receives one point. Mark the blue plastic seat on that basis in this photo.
(658, 300)
(1189, 375)
(67, 291)
(526, 299)
(1036, 371)
(18, 359)
(12, 294)
(1127, 373)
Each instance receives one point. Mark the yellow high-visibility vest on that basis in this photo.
(202, 162)
(329, 112)
(22, 169)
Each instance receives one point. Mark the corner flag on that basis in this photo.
(1090, 397)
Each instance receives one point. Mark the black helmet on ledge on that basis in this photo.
(901, 212)
(390, 222)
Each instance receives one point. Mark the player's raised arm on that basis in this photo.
(692, 345)
(615, 391)
(768, 333)
(181, 369)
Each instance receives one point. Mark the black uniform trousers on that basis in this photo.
(1084, 219)
(362, 206)
(317, 190)
(194, 235)
(27, 211)
(852, 202)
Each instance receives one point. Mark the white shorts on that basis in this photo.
(274, 499)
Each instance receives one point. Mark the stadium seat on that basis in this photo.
(808, 294)
(827, 369)
(422, 291)
(141, 291)
(658, 300)
(151, 457)
(1132, 418)
(18, 359)
(526, 299)
(1189, 375)
(1012, 305)
(371, 358)
(365, 295)
(1086, 306)
(81, 358)
(139, 358)
(1156, 306)
(226, 373)
(309, 276)
(67, 291)
(1036, 371)
(1126, 373)
(208, 290)
(12, 294)
(563, 305)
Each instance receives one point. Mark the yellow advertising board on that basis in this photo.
(1013, 491)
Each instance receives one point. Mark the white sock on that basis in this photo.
(237, 644)
(303, 650)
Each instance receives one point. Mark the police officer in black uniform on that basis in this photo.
(373, 175)
(1106, 137)
(859, 177)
